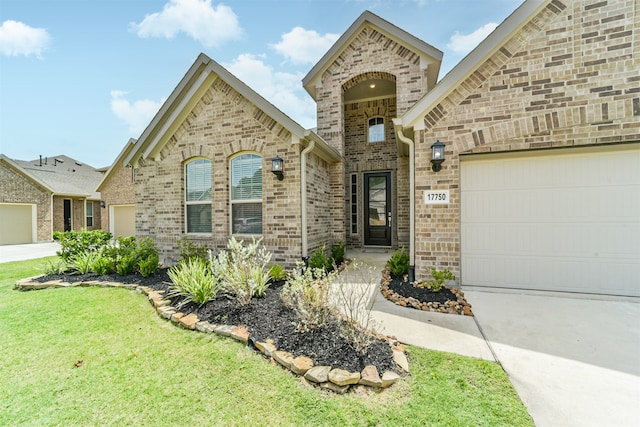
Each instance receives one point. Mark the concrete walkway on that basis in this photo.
(10, 253)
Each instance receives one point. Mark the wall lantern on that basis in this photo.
(276, 167)
(102, 204)
(437, 156)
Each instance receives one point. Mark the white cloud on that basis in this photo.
(462, 44)
(283, 90)
(207, 24)
(17, 39)
(302, 46)
(137, 114)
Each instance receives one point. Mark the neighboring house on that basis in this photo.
(48, 194)
(118, 197)
(540, 184)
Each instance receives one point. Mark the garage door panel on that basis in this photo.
(17, 223)
(563, 221)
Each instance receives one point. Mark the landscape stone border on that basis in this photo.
(460, 306)
(324, 377)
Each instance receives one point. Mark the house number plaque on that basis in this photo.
(436, 197)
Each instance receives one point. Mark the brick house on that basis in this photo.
(540, 184)
(45, 195)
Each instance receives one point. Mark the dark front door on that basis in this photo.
(377, 209)
(67, 215)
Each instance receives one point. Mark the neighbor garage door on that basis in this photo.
(17, 224)
(123, 220)
(561, 220)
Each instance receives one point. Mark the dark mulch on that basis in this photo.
(267, 318)
(422, 294)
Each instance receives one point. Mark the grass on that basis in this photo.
(138, 369)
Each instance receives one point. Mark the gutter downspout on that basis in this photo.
(412, 196)
(303, 197)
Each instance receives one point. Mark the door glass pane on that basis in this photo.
(378, 200)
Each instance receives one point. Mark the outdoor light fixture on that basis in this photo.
(276, 167)
(102, 204)
(437, 156)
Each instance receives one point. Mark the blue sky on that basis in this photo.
(81, 77)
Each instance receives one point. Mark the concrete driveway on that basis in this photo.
(27, 251)
(573, 359)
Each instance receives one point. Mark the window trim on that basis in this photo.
(87, 217)
(192, 203)
(245, 201)
(369, 126)
(353, 205)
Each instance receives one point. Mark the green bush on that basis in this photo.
(194, 281)
(307, 292)
(73, 243)
(318, 259)
(126, 264)
(337, 254)
(399, 263)
(149, 265)
(277, 272)
(83, 262)
(54, 267)
(190, 250)
(103, 265)
(438, 279)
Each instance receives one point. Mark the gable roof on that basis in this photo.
(188, 93)
(61, 175)
(127, 148)
(430, 57)
(413, 117)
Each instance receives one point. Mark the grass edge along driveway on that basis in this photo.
(135, 368)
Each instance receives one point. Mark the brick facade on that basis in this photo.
(117, 190)
(569, 77)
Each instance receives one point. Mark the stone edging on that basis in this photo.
(460, 306)
(325, 377)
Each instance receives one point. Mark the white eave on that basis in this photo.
(428, 54)
(127, 148)
(413, 118)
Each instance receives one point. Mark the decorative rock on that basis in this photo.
(340, 389)
(400, 358)
(466, 310)
(283, 357)
(189, 321)
(341, 377)
(223, 330)
(160, 302)
(389, 378)
(166, 312)
(175, 317)
(267, 348)
(240, 333)
(318, 374)
(369, 376)
(301, 365)
(204, 326)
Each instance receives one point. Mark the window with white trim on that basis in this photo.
(376, 129)
(246, 194)
(89, 222)
(354, 203)
(198, 196)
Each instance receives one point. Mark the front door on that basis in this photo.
(377, 209)
(67, 215)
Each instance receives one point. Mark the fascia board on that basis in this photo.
(493, 42)
(26, 174)
(327, 152)
(119, 160)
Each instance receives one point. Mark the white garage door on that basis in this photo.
(123, 220)
(561, 220)
(17, 224)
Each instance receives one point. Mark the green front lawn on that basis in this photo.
(138, 369)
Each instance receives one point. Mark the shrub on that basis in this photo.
(438, 279)
(318, 259)
(149, 265)
(244, 269)
(103, 265)
(73, 243)
(54, 267)
(277, 272)
(399, 263)
(307, 292)
(126, 264)
(190, 250)
(194, 282)
(83, 262)
(337, 254)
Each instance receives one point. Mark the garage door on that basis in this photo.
(123, 220)
(561, 220)
(17, 224)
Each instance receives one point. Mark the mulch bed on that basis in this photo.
(268, 318)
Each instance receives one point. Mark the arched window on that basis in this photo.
(198, 196)
(376, 129)
(246, 194)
